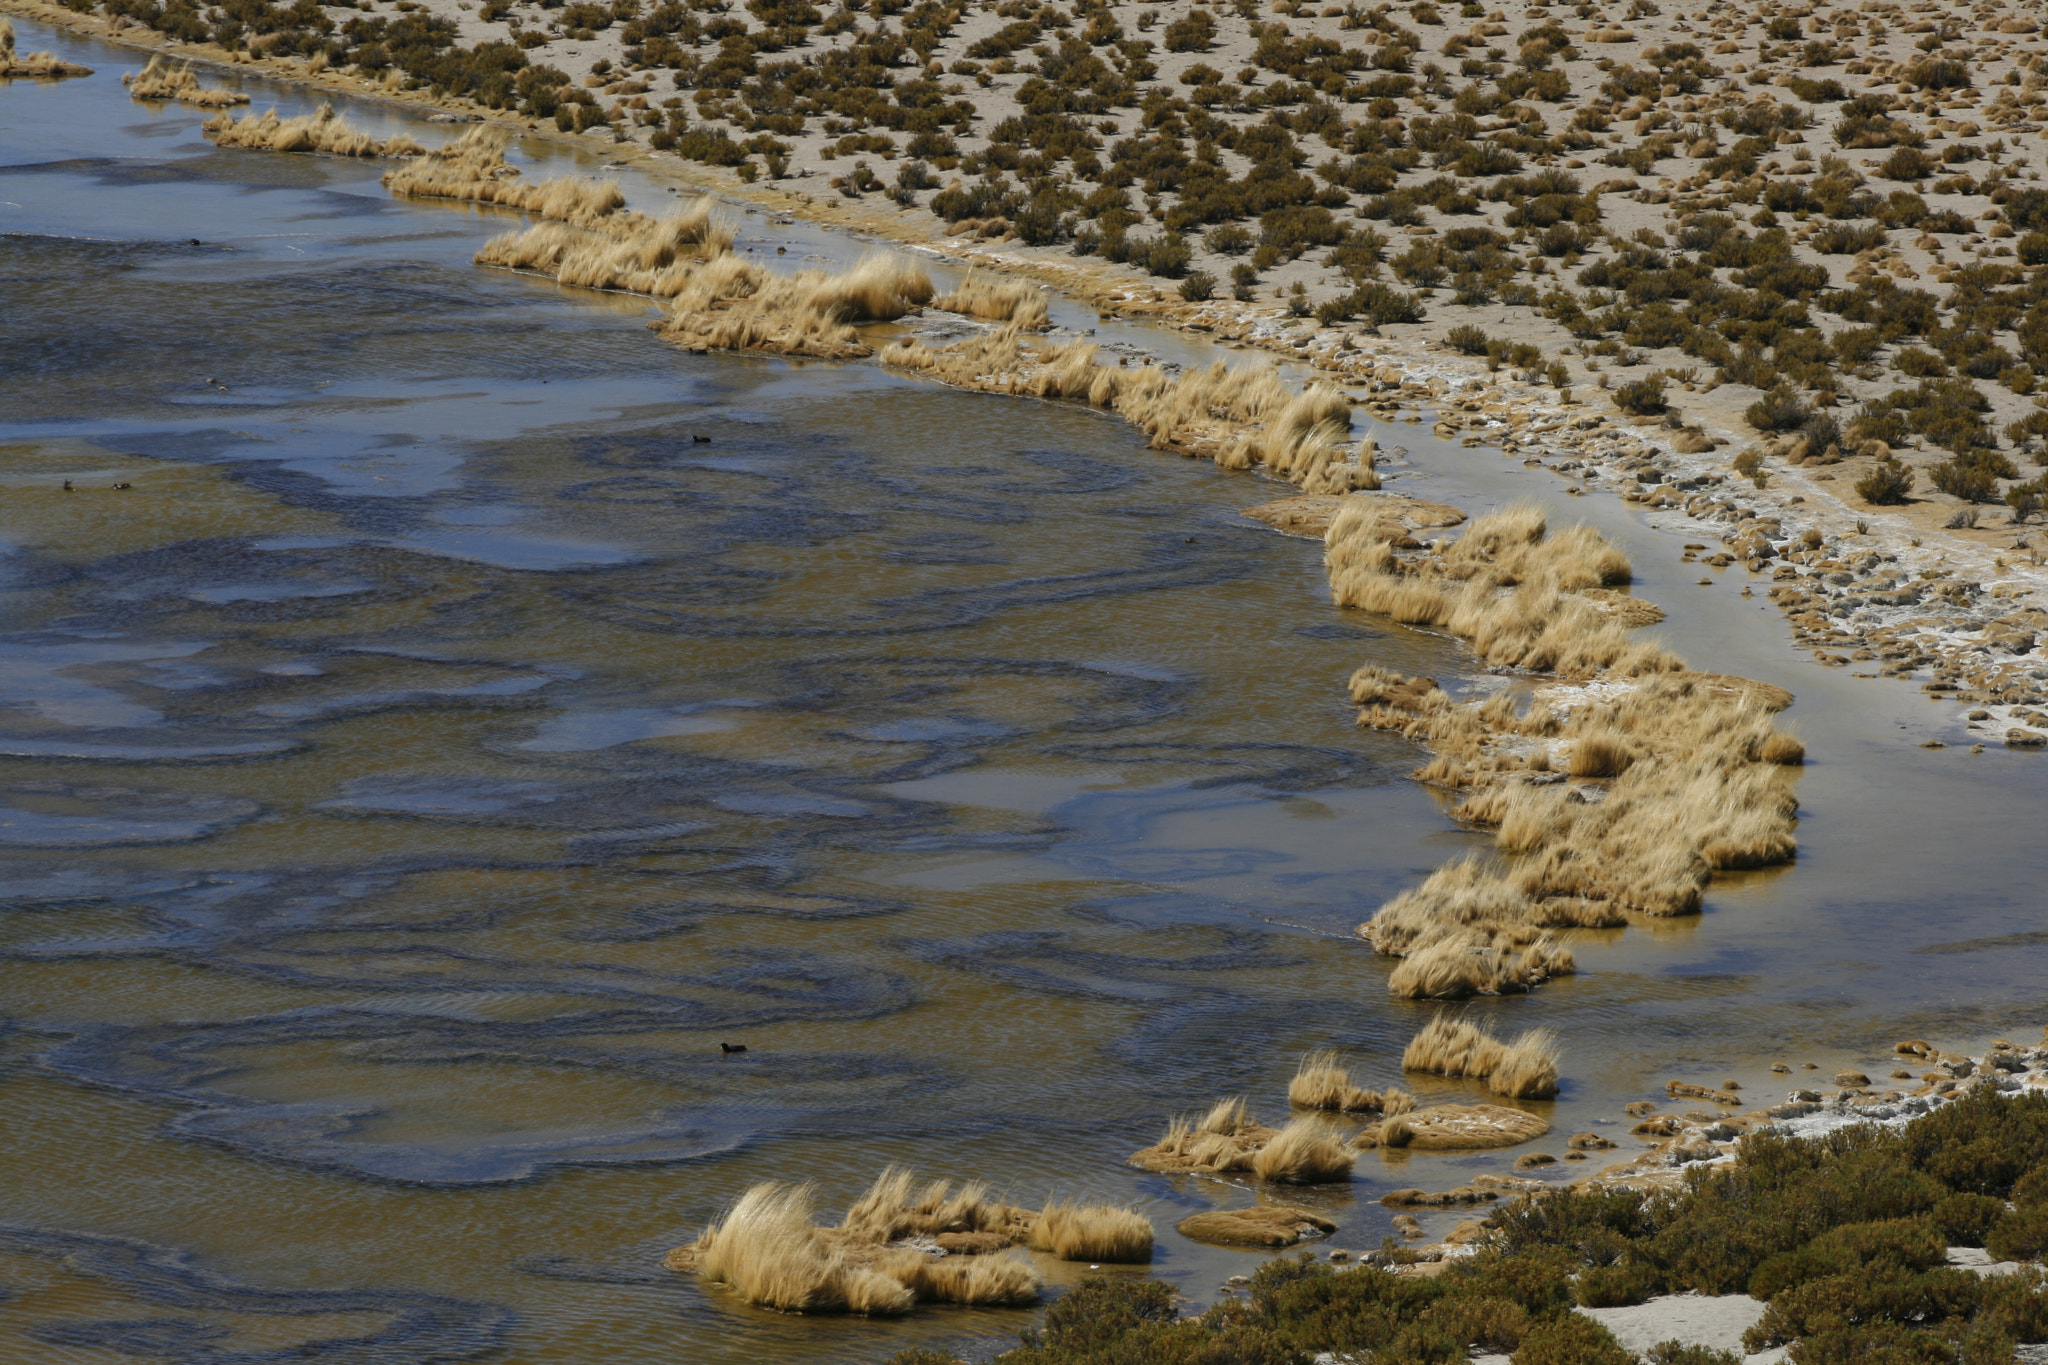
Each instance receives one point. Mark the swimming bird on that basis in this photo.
(732, 1047)
(699, 440)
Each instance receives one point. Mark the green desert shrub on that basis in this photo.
(1886, 485)
(1778, 410)
(1965, 1218)
(1571, 1340)
(2021, 1235)
(1466, 339)
(1641, 396)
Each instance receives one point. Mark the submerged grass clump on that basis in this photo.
(1323, 1082)
(33, 65)
(997, 300)
(473, 169)
(1448, 1046)
(1228, 1139)
(321, 131)
(163, 80)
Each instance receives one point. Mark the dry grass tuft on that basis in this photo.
(1093, 1232)
(473, 169)
(998, 300)
(1449, 1045)
(988, 1281)
(1239, 418)
(628, 252)
(1528, 1069)
(1320, 1082)
(35, 65)
(160, 80)
(1229, 1139)
(730, 306)
(1305, 1152)
(321, 131)
(1600, 756)
(768, 1250)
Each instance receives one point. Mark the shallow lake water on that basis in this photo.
(476, 711)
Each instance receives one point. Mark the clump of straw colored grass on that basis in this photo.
(34, 65)
(473, 169)
(162, 80)
(1228, 1139)
(1454, 1046)
(768, 1250)
(1322, 1082)
(1305, 1152)
(628, 251)
(743, 308)
(320, 131)
(986, 1281)
(1528, 1070)
(896, 1206)
(998, 300)
(1093, 1232)
(1240, 418)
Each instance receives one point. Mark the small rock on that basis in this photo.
(1851, 1080)
(1529, 1161)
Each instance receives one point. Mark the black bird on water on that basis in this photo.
(699, 440)
(732, 1047)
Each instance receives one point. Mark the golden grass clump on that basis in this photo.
(1239, 418)
(1305, 1152)
(34, 65)
(1225, 1139)
(998, 300)
(1452, 1046)
(631, 252)
(768, 1250)
(1093, 1232)
(896, 1206)
(1528, 1069)
(162, 80)
(729, 306)
(988, 1281)
(1322, 1082)
(320, 131)
(473, 169)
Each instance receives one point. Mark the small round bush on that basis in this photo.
(1570, 1340)
(1616, 1286)
(1467, 339)
(2020, 1236)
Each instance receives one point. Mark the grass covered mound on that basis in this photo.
(1845, 1236)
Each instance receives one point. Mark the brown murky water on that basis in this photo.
(474, 713)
